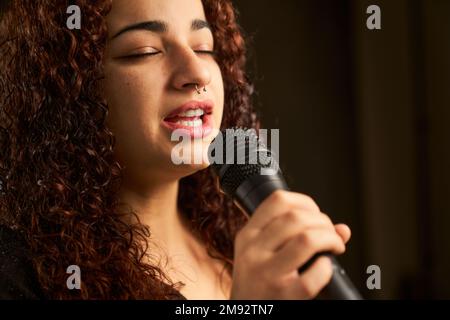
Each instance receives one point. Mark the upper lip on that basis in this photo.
(206, 105)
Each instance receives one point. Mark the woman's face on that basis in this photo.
(169, 45)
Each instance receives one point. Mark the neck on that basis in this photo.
(172, 243)
(156, 206)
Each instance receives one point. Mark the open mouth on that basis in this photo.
(192, 118)
(195, 121)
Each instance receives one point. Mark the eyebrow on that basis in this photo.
(158, 26)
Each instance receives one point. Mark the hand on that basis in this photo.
(283, 233)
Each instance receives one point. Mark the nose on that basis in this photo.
(189, 71)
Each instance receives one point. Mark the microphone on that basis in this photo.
(250, 182)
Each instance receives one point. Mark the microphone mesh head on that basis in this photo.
(236, 155)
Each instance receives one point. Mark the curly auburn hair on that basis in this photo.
(59, 178)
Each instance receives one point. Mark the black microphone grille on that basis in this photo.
(237, 154)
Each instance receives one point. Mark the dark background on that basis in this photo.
(363, 118)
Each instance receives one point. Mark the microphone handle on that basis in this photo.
(253, 191)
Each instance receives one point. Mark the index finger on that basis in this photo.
(278, 203)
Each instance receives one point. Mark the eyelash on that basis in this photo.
(143, 55)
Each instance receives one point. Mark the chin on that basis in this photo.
(188, 170)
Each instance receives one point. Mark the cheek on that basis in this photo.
(131, 95)
(131, 111)
(219, 98)
(123, 90)
(132, 118)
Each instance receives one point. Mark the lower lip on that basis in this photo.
(194, 132)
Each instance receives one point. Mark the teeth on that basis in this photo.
(195, 123)
(199, 112)
(192, 113)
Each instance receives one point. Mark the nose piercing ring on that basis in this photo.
(198, 90)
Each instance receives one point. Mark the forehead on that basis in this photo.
(177, 13)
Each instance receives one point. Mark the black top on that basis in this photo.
(17, 276)
(18, 279)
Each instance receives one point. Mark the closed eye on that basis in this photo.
(143, 55)
(140, 55)
(212, 53)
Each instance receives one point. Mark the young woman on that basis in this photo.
(86, 118)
